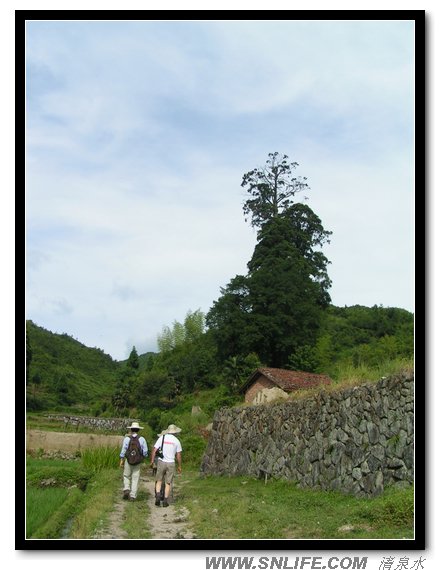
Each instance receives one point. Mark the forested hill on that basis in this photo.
(62, 373)
(62, 370)
(368, 335)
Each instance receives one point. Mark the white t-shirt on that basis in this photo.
(171, 446)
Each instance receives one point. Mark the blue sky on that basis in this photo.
(137, 138)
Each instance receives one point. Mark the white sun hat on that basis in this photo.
(135, 425)
(173, 429)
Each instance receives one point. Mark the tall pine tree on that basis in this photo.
(277, 307)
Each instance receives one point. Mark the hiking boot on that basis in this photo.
(165, 503)
(126, 494)
(157, 501)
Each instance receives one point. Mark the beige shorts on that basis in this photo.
(167, 469)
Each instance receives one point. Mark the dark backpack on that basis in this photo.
(134, 451)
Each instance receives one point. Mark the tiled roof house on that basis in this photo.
(280, 381)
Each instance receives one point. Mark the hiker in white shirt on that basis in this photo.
(166, 466)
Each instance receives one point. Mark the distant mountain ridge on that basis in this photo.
(62, 368)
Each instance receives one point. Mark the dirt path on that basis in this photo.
(170, 522)
(114, 529)
(163, 523)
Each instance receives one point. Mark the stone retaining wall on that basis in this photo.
(110, 424)
(357, 441)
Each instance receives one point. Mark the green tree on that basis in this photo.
(278, 306)
(182, 333)
(187, 354)
(124, 396)
(194, 325)
(36, 381)
(272, 188)
(191, 366)
(237, 369)
(304, 358)
(64, 385)
(232, 372)
(165, 340)
(228, 319)
(133, 359)
(290, 240)
(324, 352)
(156, 389)
(286, 302)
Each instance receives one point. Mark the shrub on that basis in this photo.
(395, 507)
(193, 449)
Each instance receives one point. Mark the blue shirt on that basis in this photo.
(126, 441)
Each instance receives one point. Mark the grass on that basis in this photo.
(58, 523)
(136, 517)
(70, 498)
(74, 499)
(98, 505)
(40, 506)
(243, 508)
(347, 375)
(47, 473)
(98, 458)
(220, 508)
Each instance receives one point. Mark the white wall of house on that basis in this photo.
(266, 395)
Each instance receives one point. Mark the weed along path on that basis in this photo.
(151, 522)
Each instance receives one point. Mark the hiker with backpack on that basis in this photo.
(133, 451)
(168, 448)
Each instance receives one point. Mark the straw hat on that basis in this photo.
(135, 425)
(172, 429)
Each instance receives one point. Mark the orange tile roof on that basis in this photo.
(289, 380)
